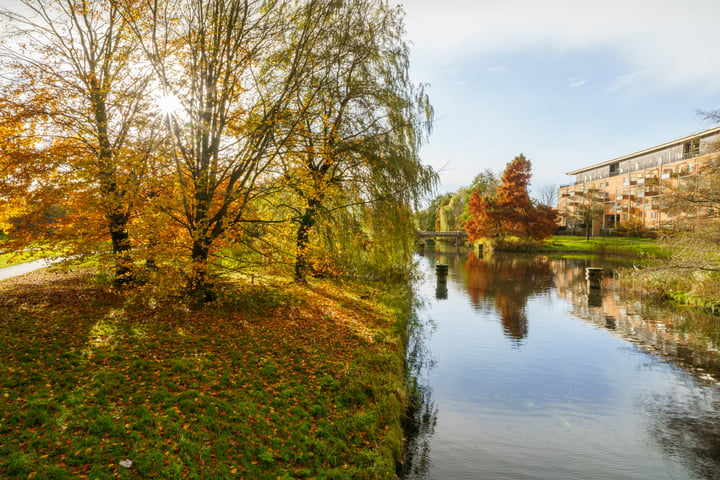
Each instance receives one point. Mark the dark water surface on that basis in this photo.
(526, 374)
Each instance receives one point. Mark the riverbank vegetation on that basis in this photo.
(689, 274)
(274, 379)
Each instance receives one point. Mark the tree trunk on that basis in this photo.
(117, 224)
(588, 228)
(307, 222)
(112, 194)
(200, 286)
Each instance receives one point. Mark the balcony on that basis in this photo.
(650, 192)
(629, 182)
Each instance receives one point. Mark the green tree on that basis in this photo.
(427, 218)
(356, 150)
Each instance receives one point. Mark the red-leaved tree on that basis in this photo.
(512, 212)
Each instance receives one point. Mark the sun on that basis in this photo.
(167, 103)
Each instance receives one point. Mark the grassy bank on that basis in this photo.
(683, 285)
(8, 259)
(637, 247)
(274, 381)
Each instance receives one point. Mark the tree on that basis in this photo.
(548, 195)
(513, 198)
(72, 74)
(233, 66)
(591, 207)
(356, 149)
(428, 217)
(484, 217)
(281, 106)
(511, 212)
(450, 211)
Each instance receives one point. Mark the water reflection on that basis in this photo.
(685, 423)
(421, 414)
(625, 388)
(687, 338)
(505, 283)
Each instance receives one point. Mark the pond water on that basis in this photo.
(524, 372)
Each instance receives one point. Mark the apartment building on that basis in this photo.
(640, 188)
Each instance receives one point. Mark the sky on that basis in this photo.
(566, 83)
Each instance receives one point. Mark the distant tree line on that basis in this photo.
(494, 207)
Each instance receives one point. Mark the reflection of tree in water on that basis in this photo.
(686, 425)
(507, 282)
(513, 316)
(421, 413)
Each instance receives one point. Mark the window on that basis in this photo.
(691, 148)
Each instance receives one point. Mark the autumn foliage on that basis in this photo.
(293, 141)
(512, 212)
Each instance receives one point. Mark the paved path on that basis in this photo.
(27, 267)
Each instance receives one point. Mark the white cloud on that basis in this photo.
(577, 83)
(496, 68)
(673, 42)
(621, 82)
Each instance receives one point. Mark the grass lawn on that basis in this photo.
(642, 247)
(16, 258)
(275, 381)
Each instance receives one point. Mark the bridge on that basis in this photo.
(458, 234)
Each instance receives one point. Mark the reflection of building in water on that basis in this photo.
(686, 338)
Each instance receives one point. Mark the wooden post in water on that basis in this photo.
(593, 275)
(481, 247)
(441, 290)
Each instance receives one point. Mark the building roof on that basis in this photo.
(648, 150)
